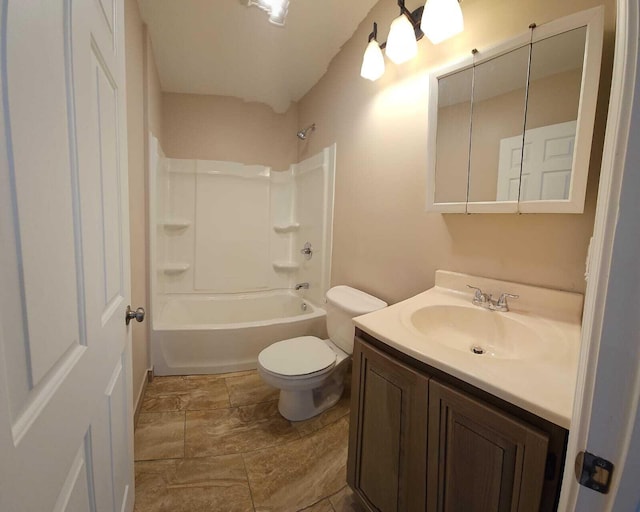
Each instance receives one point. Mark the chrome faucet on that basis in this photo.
(302, 285)
(486, 301)
(502, 304)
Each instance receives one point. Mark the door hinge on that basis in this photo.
(594, 472)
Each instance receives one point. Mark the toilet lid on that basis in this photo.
(297, 356)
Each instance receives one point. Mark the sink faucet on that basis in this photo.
(486, 301)
(302, 285)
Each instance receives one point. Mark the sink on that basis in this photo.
(478, 331)
(528, 356)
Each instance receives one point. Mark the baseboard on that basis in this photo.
(143, 388)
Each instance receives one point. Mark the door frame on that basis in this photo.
(608, 385)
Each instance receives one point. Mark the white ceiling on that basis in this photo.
(226, 48)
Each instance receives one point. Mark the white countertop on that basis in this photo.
(542, 383)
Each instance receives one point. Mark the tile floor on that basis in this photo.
(217, 443)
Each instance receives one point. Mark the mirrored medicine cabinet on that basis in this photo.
(510, 128)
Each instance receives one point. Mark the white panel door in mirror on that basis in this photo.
(546, 164)
(552, 113)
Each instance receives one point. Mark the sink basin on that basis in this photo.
(529, 355)
(478, 331)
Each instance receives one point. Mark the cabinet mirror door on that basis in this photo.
(532, 106)
(499, 100)
(452, 140)
(552, 116)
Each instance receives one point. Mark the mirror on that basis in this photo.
(499, 101)
(454, 118)
(550, 130)
(539, 88)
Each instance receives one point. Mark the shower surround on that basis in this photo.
(226, 256)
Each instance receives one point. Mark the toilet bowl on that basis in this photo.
(310, 371)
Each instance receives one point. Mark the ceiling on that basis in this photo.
(225, 48)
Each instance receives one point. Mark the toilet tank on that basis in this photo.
(344, 303)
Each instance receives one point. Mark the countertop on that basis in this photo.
(543, 384)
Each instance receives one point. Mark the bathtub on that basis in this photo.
(225, 333)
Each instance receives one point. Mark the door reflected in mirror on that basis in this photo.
(454, 131)
(499, 100)
(552, 113)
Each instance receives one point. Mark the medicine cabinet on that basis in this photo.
(510, 127)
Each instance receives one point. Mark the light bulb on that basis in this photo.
(277, 17)
(276, 9)
(441, 20)
(401, 43)
(373, 62)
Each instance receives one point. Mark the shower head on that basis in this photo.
(302, 134)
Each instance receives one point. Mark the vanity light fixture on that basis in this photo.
(433, 20)
(437, 19)
(373, 61)
(276, 9)
(404, 34)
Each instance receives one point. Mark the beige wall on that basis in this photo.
(384, 241)
(211, 127)
(153, 101)
(143, 112)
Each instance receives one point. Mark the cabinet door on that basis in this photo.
(479, 458)
(387, 439)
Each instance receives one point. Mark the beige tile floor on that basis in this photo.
(217, 443)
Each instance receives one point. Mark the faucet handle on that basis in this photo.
(502, 300)
(479, 295)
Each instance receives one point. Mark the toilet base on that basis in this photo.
(298, 405)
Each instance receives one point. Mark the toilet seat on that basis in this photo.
(297, 357)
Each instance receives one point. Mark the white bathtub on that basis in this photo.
(217, 334)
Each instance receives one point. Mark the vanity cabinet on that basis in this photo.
(423, 441)
(479, 458)
(388, 434)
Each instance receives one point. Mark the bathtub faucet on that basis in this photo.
(302, 285)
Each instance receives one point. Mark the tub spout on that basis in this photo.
(302, 285)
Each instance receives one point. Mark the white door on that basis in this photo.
(546, 164)
(607, 406)
(510, 168)
(65, 390)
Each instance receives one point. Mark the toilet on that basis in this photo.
(310, 371)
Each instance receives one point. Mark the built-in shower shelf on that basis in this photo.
(172, 269)
(175, 224)
(285, 266)
(286, 228)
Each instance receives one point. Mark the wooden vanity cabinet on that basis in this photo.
(388, 432)
(422, 441)
(479, 458)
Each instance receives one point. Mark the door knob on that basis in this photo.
(130, 314)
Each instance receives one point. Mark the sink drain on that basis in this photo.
(476, 349)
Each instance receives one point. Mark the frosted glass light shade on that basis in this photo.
(277, 9)
(373, 62)
(441, 20)
(401, 43)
